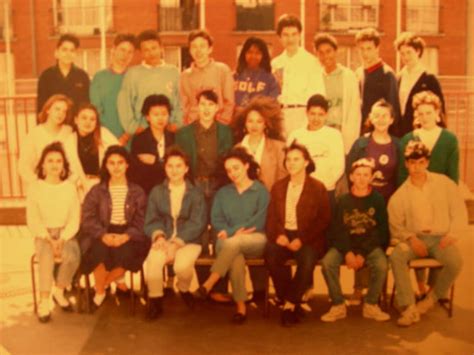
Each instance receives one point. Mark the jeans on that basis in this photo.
(376, 260)
(71, 256)
(450, 257)
(183, 267)
(288, 288)
(231, 255)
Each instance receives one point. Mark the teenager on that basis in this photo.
(413, 78)
(106, 85)
(52, 216)
(205, 74)
(149, 147)
(297, 219)
(238, 217)
(253, 76)
(324, 144)
(152, 77)
(175, 219)
(297, 71)
(86, 147)
(342, 91)
(64, 77)
(113, 214)
(442, 143)
(257, 128)
(359, 237)
(53, 125)
(427, 215)
(376, 79)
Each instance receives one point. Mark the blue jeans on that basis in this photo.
(450, 257)
(376, 260)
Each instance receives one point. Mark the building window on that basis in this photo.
(338, 15)
(6, 75)
(422, 16)
(5, 6)
(178, 56)
(255, 15)
(178, 15)
(349, 57)
(89, 60)
(82, 17)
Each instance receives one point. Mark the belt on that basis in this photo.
(293, 106)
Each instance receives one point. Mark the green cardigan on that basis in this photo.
(444, 156)
(186, 140)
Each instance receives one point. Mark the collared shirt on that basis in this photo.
(301, 74)
(74, 85)
(334, 94)
(293, 194)
(206, 143)
(408, 79)
(257, 154)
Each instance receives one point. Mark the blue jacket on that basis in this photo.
(192, 218)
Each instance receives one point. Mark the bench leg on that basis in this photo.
(266, 306)
(33, 284)
(451, 302)
(87, 291)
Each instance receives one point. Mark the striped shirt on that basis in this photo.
(292, 197)
(118, 194)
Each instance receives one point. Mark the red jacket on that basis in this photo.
(313, 213)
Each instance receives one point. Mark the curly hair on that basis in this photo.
(270, 110)
(262, 47)
(428, 97)
(55, 147)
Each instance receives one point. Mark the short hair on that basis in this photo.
(125, 37)
(271, 112)
(363, 163)
(415, 149)
(111, 150)
(155, 100)
(368, 34)
(200, 33)
(148, 35)
(288, 20)
(426, 97)
(262, 47)
(68, 37)
(311, 167)
(55, 147)
(240, 153)
(380, 103)
(411, 40)
(325, 38)
(317, 100)
(209, 95)
(43, 115)
(176, 151)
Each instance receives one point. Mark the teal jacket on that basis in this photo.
(186, 139)
(192, 218)
(444, 156)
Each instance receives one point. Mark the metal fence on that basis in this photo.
(18, 116)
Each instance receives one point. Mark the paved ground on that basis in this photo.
(207, 330)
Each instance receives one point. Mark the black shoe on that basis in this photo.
(155, 308)
(299, 313)
(168, 291)
(201, 293)
(288, 318)
(188, 299)
(123, 293)
(239, 318)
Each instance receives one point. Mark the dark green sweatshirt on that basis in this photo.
(360, 224)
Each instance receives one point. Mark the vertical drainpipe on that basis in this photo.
(8, 49)
(34, 59)
(398, 31)
(202, 14)
(103, 44)
(303, 21)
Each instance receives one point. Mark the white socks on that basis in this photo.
(289, 305)
(98, 299)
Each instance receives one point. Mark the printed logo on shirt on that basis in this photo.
(248, 86)
(359, 222)
(384, 159)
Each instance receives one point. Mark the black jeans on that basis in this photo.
(288, 288)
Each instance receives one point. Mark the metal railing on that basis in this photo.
(335, 15)
(171, 18)
(18, 116)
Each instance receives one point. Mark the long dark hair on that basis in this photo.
(96, 132)
(114, 149)
(239, 153)
(299, 147)
(55, 147)
(262, 47)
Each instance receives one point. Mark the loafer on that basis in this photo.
(155, 308)
(239, 318)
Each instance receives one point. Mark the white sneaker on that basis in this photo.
(426, 304)
(44, 313)
(373, 311)
(58, 297)
(336, 312)
(409, 316)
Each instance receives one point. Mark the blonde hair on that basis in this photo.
(43, 115)
(426, 98)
